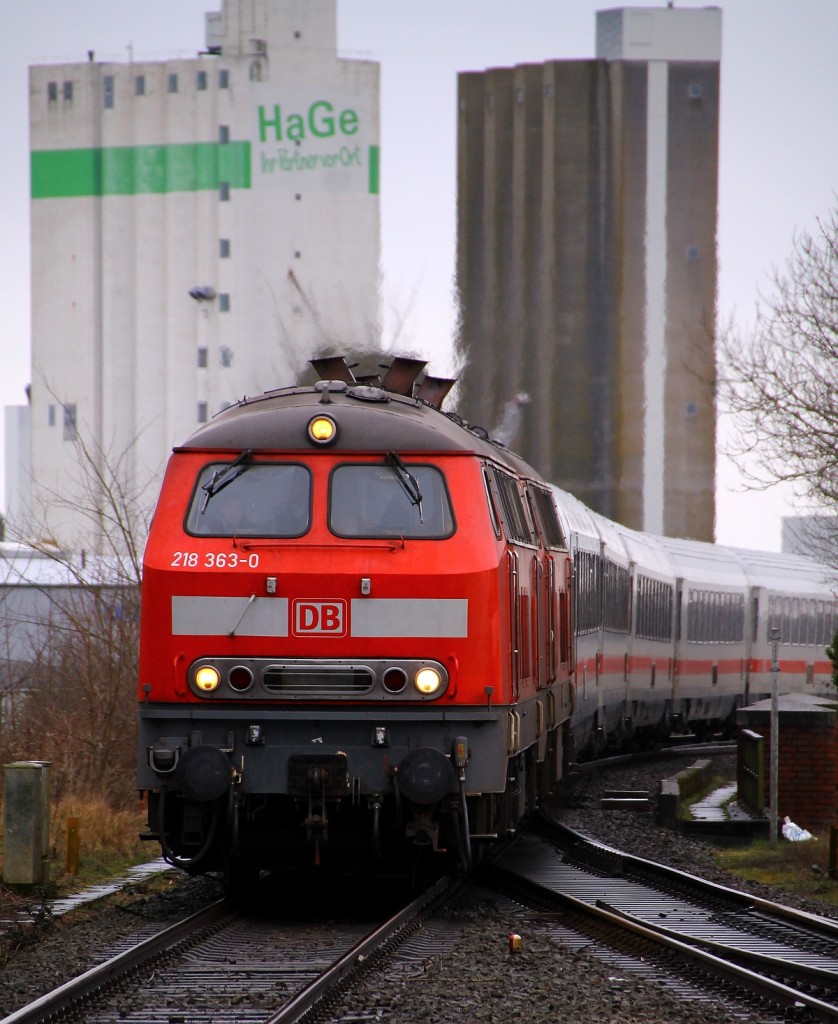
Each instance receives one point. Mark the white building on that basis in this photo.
(199, 228)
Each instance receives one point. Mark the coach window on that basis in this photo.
(616, 597)
(587, 591)
(654, 609)
(250, 500)
(381, 501)
(830, 622)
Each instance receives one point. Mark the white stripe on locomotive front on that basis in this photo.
(369, 617)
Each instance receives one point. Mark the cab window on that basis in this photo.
(381, 501)
(251, 500)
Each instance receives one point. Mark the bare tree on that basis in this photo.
(780, 379)
(81, 627)
(80, 705)
(107, 502)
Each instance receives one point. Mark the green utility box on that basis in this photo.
(25, 822)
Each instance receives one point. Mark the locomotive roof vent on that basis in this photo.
(365, 393)
(333, 368)
(402, 375)
(400, 379)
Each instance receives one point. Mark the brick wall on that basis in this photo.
(808, 757)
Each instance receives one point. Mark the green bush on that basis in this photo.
(832, 654)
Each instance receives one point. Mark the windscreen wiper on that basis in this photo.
(409, 483)
(225, 475)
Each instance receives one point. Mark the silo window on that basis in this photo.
(172, 83)
(201, 81)
(70, 422)
(107, 93)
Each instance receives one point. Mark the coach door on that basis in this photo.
(519, 535)
(542, 590)
(551, 588)
(679, 646)
(515, 621)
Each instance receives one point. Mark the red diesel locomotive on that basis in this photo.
(370, 631)
(355, 631)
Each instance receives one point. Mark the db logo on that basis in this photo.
(324, 617)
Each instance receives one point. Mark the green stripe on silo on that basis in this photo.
(375, 169)
(134, 170)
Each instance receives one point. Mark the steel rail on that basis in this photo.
(750, 980)
(730, 952)
(663, 753)
(344, 965)
(564, 835)
(65, 995)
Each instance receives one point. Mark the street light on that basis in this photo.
(775, 737)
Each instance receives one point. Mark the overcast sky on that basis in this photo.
(778, 158)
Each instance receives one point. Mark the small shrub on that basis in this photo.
(832, 654)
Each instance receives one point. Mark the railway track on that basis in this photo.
(227, 965)
(700, 934)
(411, 977)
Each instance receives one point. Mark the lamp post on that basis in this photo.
(775, 738)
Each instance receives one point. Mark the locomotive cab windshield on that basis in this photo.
(251, 500)
(386, 500)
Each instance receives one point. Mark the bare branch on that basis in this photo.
(779, 380)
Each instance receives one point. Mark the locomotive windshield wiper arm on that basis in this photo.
(226, 475)
(409, 483)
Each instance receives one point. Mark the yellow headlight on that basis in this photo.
(322, 430)
(207, 678)
(427, 681)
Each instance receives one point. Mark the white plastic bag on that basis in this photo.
(794, 833)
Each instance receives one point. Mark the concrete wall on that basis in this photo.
(587, 274)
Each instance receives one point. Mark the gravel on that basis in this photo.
(477, 977)
(38, 958)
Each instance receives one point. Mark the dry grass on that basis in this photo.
(802, 868)
(108, 841)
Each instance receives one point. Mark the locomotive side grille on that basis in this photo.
(298, 681)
